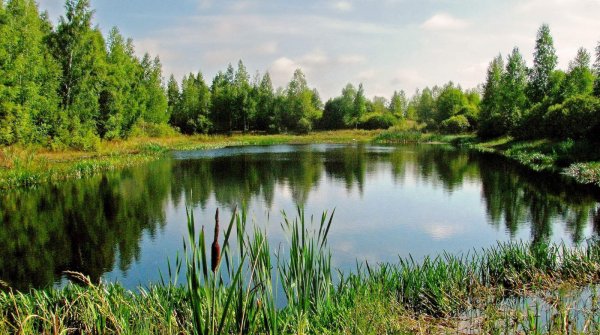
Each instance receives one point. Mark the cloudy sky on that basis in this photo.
(385, 44)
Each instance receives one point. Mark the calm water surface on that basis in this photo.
(389, 202)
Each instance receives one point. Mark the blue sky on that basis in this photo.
(385, 44)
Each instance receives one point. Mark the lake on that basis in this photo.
(389, 201)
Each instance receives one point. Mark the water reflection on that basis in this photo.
(91, 225)
(104, 223)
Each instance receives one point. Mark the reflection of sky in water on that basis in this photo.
(388, 215)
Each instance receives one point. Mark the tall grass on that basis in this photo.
(398, 136)
(232, 286)
(28, 166)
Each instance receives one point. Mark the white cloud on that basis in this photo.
(204, 4)
(407, 78)
(442, 231)
(267, 48)
(243, 5)
(344, 6)
(444, 21)
(315, 57)
(366, 74)
(282, 69)
(351, 59)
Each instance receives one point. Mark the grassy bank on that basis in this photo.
(577, 159)
(231, 287)
(26, 166)
(394, 136)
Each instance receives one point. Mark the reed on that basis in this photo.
(240, 285)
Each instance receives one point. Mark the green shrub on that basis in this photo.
(377, 121)
(87, 141)
(455, 124)
(147, 129)
(575, 118)
(304, 126)
(532, 123)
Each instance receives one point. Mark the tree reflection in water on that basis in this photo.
(96, 224)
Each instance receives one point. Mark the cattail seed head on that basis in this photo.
(215, 248)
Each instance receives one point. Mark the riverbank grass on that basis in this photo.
(232, 287)
(578, 159)
(27, 166)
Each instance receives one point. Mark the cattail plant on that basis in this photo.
(215, 248)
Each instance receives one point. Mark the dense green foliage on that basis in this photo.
(547, 103)
(66, 86)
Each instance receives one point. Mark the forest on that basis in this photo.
(68, 86)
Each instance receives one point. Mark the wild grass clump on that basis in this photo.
(32, 165)
(236, 291)
(585, 173)
(392, 136)
(577, 159)
(397, 136)
(238, 284)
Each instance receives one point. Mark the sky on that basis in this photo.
(387, 45)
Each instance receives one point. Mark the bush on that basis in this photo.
(575, 118)
(455, 124)
(147, 129)
(87, 141)
(408, 125)
(304, 126)
(377, 121)
(532, 123)
(471, 113)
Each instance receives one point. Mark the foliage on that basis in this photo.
(544, 63)
(66, 86)
(377, 121)
(578, 117)
(236, 295)
(455, 124)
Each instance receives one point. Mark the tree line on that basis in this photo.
(70, 86)
(542, 101)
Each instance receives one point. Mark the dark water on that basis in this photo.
(389, 201)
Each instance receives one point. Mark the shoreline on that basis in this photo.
(487, 291)
(25, 167)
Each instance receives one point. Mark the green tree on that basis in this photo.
(337, 109)
(359, 107)
(301, 111)
(173, 98)
(119, 101)
(579, 79)
(265, 117)
(223, 114)
(155, 104)
(28, 76)
(333, 114)
(512, 93)
(80, 50)
(244, 104)
(597, 71)
(398, 104)
(192, 112)
(490, 117)
(450, 102)
(426, 106)
(544, 63)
